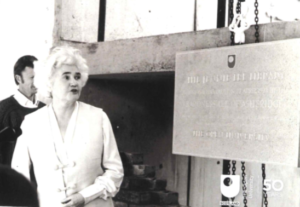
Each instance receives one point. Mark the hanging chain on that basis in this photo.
(230, 20)
(256, 21)
(265, 195)
(233, 167)
(233, 173)
(238, 11)
(244, 184)
(238, 8)
(229, 167)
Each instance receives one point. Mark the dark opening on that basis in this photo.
(101, 26)
(221, 13)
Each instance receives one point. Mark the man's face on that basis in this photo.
(27, 82)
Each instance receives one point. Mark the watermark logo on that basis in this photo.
(231, 61)
(273, 187)
(276, 185)
(230, 185)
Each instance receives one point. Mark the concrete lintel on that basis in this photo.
(157, 53)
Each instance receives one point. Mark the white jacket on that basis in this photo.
(86, 162)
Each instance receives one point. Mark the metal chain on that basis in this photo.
(233, 167)
(265, 195)
(244, 184)
(230, 20)
(229, 167)
(256, 21)
(233, 173)
(239, 7)
(238, 10)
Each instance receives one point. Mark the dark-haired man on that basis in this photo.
(14, 108)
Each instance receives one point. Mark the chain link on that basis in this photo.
(238, 7)
(256, 19)
(233, 167)
(229, 167)
(244, 182)
(233, 173)
(265, 195)
(238, 11)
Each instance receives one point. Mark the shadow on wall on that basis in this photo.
(141, 113)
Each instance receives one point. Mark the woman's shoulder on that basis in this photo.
(39, 112)
(88, 107)
(34, 123)
(94, 113)
(37, 116)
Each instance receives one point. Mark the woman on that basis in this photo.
(70, 143)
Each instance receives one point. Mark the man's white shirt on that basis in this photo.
(24, 101)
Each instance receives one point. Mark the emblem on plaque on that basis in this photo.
(231, 61)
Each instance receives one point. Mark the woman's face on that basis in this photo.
(67, 83)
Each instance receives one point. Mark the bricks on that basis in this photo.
(136, 183)
(135, 197)
(158, 185)
(144, 170)
(140, 188)
(140, 170)
(164, 198)
(132, 158)
(148, 197)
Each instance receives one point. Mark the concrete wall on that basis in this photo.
(80, 20)
(134, 18)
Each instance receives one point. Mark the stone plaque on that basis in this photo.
(239, 103)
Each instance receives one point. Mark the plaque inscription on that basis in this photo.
(239, 103)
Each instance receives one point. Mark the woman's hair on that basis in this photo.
(65, 55)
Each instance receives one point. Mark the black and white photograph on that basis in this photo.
(150, 103)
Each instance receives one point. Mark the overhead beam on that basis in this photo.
(157, 53)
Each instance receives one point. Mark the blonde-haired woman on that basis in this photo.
(71, 144)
